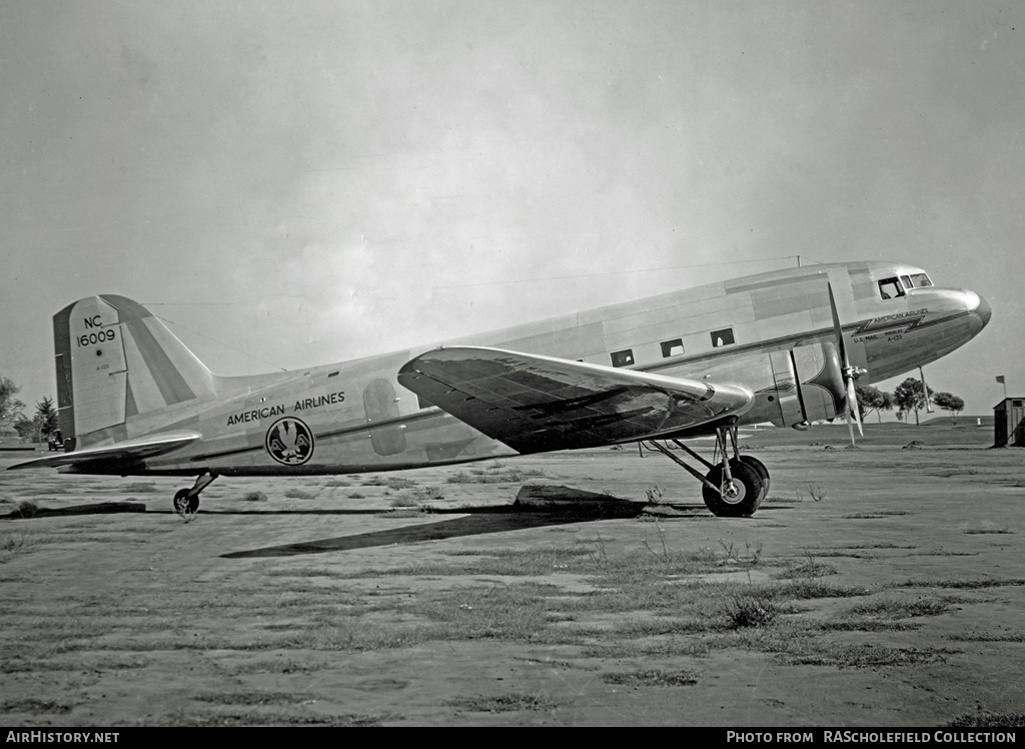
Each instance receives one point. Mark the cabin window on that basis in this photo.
(622, 358)
(672, 348)
(906, 280)
(723, 337)
(890, 288)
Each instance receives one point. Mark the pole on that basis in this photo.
(925, 392)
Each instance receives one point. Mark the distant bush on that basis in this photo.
(28, 509)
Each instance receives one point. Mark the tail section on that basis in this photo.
(116, 362)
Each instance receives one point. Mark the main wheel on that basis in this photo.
(740, 497)
(184, 504)
(762, 471)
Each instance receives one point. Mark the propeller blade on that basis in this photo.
(852, 403)
(838, 330)
(850, 396)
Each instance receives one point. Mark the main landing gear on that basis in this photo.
(186, 501)
(734, 486)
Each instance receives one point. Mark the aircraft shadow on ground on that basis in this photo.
(100, 508)
(479, 522)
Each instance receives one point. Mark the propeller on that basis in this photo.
(850, 373)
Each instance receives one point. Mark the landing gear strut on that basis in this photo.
(733, 487)
(186, 501)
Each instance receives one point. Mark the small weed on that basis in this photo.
(804, 589)
(901, 609)
(427, 494)
(986, 526)
(871, 656)
(287, 666)
(255, 497)
(961, 584)
(663, 552)
(140, 488)
(495, 473)
(11, 545)
(815, 492)
(732, 555)
(654, 496)
(417, 497)
(258, 717)
(749, 610)
(33, 706)
(252, 698)
(299, 494)
(988, 720)
(807, 570)
(656, 677)
(506, 703)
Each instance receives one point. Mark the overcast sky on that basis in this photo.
(293, 183)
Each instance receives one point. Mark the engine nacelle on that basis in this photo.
(807, 385)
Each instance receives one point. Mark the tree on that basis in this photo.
(46, 417)
(43, 422)
(27, 428)
(10, 407)
(949, 402)
(873, 399)
(909, 396)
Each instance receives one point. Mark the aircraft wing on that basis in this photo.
(125, 452)
(539, 403)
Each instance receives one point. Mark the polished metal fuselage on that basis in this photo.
(772, 333)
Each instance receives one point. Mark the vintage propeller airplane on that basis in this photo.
(783, 347)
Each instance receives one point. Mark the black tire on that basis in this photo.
(763, 474)
(748, 491)
(183, 504)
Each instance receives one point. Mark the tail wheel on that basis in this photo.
(740, 497)
(184, 504)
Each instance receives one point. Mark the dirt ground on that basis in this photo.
(882, 586)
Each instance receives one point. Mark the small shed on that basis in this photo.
(1009, 422)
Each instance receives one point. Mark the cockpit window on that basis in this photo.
(914, 281)
(890, 288)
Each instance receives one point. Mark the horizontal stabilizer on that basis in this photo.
(127, 452)
(538, 403)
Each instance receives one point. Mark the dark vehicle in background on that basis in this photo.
(55, 441)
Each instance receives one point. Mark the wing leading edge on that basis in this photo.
(128, 452)
(539, 403)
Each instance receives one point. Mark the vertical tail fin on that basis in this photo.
(116, 362)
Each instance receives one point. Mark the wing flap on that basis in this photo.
(126, 452)
(537, 403)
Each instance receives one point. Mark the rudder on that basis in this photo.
(115, 362)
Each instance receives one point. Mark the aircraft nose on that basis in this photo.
(979, 311)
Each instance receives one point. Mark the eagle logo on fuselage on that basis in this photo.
(289, 441)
